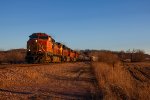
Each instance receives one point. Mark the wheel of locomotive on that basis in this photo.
(74, 59)
(61, 59)
(29, 60)
(41, 60)
(55, 59)
(65, 59)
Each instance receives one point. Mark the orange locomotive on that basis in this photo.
(42, 48)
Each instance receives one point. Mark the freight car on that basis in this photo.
(42, 48)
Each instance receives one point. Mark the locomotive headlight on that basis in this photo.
(29, 50)
(36, 41)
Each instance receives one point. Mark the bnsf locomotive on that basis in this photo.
(42, 48)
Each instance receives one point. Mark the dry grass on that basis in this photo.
(118, 83)
(63, 81)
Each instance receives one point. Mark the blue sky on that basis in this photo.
(80, 24)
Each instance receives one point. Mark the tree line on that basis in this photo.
(14, 56)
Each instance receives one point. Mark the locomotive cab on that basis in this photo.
(40, 42)
(39, 46)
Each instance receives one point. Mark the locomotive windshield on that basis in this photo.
(43, 37)
(38, 37)
(33, 37)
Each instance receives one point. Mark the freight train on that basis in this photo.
(42, 48)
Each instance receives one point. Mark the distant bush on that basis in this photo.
(137, 56)
(15, 57)
(12, 56)
(106, 57)
(134, 55)
(2, 58)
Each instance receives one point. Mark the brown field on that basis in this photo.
(128, 81)
(66, 81)
(75, 81)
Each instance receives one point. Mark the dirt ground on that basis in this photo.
(140, 74)
(139, 71)
(67, 81)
